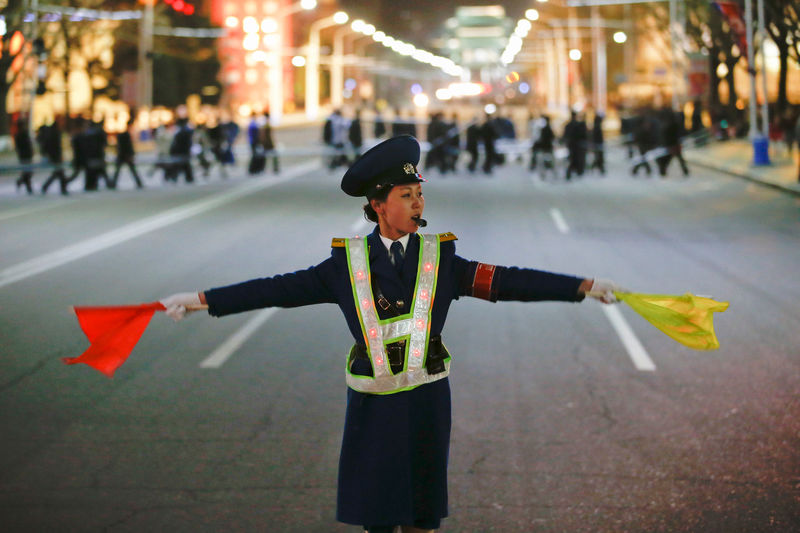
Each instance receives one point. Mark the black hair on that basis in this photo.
(381, 195)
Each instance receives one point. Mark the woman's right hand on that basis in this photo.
(180, 304)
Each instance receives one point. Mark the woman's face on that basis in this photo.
(397, 214)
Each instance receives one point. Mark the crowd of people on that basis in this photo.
(650, 138)
(177, 145)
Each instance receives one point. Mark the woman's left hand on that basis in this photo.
(603, 290)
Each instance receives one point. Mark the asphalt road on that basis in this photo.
(555, 427)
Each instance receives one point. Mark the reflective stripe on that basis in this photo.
(415, 326)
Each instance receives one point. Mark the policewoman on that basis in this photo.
(394, 288)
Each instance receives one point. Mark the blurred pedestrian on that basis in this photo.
(78, 145)
(268, 144)
(181, 152)
(598, 145)
(355, 135)
(54, 152)
(335, 134)
(489, 136)
(436, 134)
(697, 127)
(452, 144)
(126, 155)
(95, 141)
(257, 156)
(162, 137)
(671, 140)
(230, 131)
(24, 148)
(788, 130)
(473, 138)
(628, 125)
(218, 140)
(403, 125)
(576, 137)
(544, 145)
(646, 139)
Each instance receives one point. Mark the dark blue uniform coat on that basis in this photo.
(393, 463)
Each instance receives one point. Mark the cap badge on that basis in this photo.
(408, 168)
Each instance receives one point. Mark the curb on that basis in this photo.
(745, 175)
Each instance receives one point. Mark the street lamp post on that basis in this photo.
(312, 61)
(760, 143)
(337, 67)
(764, 105)
(599, 64)
(145, 76)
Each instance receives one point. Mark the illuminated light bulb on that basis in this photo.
(423, 294)
(417, 353)
(360, 274)
(420, 324)
(373, 332)
(364, 303)
(428, 267)
(250, 25)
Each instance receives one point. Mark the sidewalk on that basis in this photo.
(735, 157)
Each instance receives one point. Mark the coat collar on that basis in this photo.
(382, 265)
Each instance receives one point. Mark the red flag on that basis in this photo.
(113, 332)
(732, 12)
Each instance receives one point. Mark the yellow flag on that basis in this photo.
(688, 319)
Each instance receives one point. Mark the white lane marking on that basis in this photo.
(558, 218)
(361, 223)
(33, 209)
(235, 341)
(65, 255)
(636, 351)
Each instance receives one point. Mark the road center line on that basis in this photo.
(235, 341)
(558, 218)
(65, 255)
(636, 351)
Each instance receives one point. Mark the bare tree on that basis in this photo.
(783, 25)
(13, 13)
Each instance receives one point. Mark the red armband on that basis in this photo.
(482, 282)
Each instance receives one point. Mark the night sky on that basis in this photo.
(418, 21)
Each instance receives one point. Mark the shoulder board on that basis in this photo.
(444, 237)
(338, 242)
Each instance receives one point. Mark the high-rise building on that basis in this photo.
(259, 38)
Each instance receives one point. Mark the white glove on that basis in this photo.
(603, 290)
(177, 303)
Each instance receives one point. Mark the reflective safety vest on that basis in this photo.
(413, 327)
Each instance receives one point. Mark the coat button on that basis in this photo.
(400, 304)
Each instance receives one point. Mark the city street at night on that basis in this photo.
(235, 424)
(335, 266)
